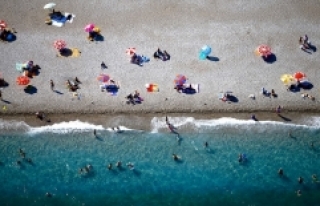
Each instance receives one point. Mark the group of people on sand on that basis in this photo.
(140, 59)
(134, 98)
(73, 86)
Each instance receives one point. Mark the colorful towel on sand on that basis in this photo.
(59, 21)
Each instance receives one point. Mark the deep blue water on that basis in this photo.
(203, 176)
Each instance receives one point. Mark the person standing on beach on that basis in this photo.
(278, 110)
(1, 96)
(51, 85)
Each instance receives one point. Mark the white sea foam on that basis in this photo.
(160, 123)
(13, 126)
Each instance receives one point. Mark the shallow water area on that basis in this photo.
(202, 176)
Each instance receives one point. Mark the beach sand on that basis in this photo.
(233, 29)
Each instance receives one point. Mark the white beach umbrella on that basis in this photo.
(49, 5)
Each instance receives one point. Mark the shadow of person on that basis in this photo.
(305, 85)
(284, 118)
(99, 37)
(58, 92)
(6, 101)
(3, 83)
(212, 58)
(313, 48)
(270, 59)
(233, 99)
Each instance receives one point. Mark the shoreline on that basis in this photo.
(143, 121)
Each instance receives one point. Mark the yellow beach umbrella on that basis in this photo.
(287, 79)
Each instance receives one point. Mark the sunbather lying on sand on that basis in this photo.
(164, 56)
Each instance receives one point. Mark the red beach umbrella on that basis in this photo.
(299, 75)
(103, 78)
(23, 80)
(3, 24)
(264, 50)
(59, 44)
(180, 79)
(131, 51)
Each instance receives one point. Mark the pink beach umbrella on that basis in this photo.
(131, 51)
(103, 78)
(180, 79)
(89, 27)
(59, 44)
(3, 25)
(264, 50)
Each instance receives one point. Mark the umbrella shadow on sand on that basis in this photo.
(99, 37)
(270, 59)
(306, 85)
(213, 59)
(30, 89)
(233, 99)
(65, 52)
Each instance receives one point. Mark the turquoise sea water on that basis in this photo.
(203, 176)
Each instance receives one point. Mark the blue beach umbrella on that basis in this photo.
(204, 52)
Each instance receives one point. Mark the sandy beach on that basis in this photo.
(233, 30)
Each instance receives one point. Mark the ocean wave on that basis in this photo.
(13, 125)
(158, 123)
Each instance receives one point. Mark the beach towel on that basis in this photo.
(20, 67)
(110, 88)
(59, 21)
(152, 87)
(195, 88)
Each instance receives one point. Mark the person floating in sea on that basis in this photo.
(110, 166)
(299, 193)
(175, 157)
(95, 133)
(300, 180)
(118, 164)
(314, 178)
(130, 166)
(280, 172)
(206, 145)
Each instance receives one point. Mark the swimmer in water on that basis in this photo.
(81, 170)
(240, 158)
(206, 145)
(280, 171)
(48, 194)
(130, 166)
(299, 193)
(29, 160)
(175, 157)
(18, 162)
(300, 180)
(314, 178)
(118, 164)
(110, 166)
(95, 132)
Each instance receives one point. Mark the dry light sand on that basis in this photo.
(232, 28)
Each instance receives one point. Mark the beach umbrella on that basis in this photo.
(264, 50)
(103, 78)
(3, 24)
(204, 52)
(49, 5)
(89, 27)
(59, 44)
(131, 51)
(22, 80)
(299, 75)
(287, 79)
(180, 79)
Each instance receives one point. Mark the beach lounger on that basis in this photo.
(195, 88)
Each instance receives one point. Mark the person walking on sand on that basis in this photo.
(278, 110)
(51, 84)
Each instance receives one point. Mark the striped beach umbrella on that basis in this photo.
(3, 24)
(59, 44)
(264, 50)
(299, 75)
(103, 78)
(180, 79)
